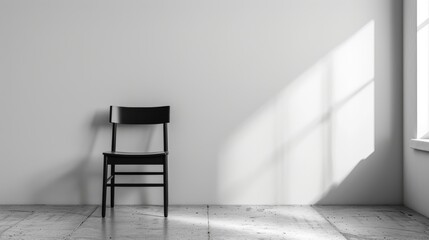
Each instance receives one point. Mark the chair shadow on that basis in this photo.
(85, 174)
(80, 177)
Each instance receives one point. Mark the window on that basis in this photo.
(422, 30)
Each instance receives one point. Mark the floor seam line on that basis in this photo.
(330, 223)
(1, 233)
(78, 226)
(208, 221)
(413, 219)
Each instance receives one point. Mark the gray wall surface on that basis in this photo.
(416, 163)
(273, 102)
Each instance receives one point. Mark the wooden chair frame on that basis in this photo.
(136, 115)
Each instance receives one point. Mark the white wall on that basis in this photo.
(416, 163)
(273, 102)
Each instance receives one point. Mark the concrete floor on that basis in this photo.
(212, 222)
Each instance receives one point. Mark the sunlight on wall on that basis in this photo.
(310, 136)
(422, 69)
(422, 11)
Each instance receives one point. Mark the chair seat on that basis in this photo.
(135, 154)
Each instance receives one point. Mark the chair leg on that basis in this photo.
(103, 204)
(165, 189)
(112, 186)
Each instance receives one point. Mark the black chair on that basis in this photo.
(136, 115)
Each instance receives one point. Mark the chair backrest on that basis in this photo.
(139, 115)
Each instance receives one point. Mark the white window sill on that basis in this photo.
(420, 144)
